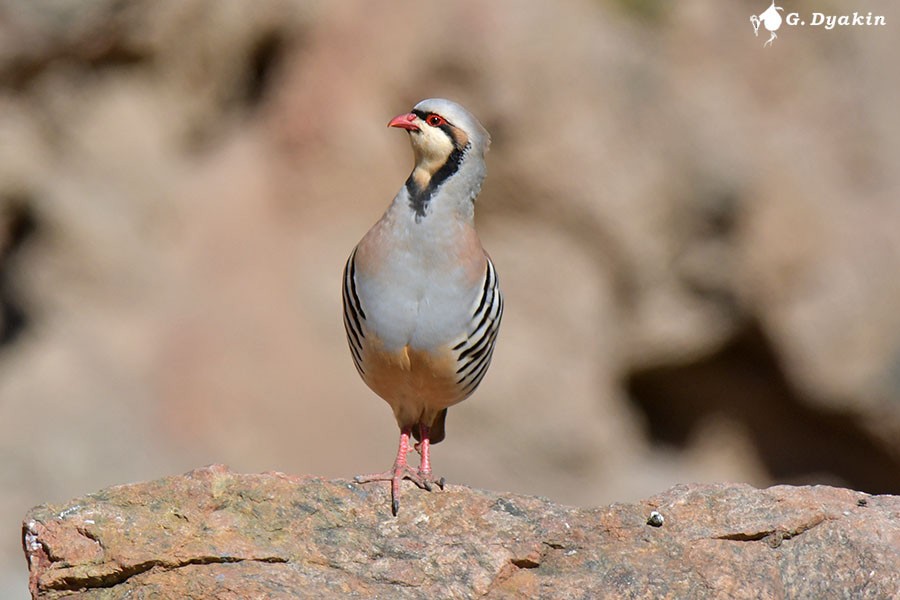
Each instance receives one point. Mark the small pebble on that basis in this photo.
(656, 519)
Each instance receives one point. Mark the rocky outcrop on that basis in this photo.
(213, 533)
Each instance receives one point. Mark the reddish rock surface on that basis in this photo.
(213, 533)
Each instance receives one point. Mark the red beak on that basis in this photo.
(405, 121)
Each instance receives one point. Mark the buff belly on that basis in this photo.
(417, 384)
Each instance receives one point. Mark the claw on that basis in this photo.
(401, 470)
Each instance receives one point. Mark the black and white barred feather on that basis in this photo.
(354, 315)
(474, 352)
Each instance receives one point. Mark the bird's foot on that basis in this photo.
(401, 470)
(426, 480)
(397, 474)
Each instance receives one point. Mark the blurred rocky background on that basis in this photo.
(698, 238)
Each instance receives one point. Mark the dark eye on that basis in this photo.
(435, 120)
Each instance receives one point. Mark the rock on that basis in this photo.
(213, 533)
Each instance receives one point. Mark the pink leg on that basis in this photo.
(400, 471)
(424, 450)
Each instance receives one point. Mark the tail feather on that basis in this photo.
(436, 429)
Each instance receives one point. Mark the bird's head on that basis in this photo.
(437, 127)
(446, 139)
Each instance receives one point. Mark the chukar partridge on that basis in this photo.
(422, 303)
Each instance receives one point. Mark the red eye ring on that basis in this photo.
(435, 120)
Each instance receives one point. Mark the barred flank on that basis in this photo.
(353, 312)
(476, 350)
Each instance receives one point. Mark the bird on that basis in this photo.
(421, 297)
(771, 19)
